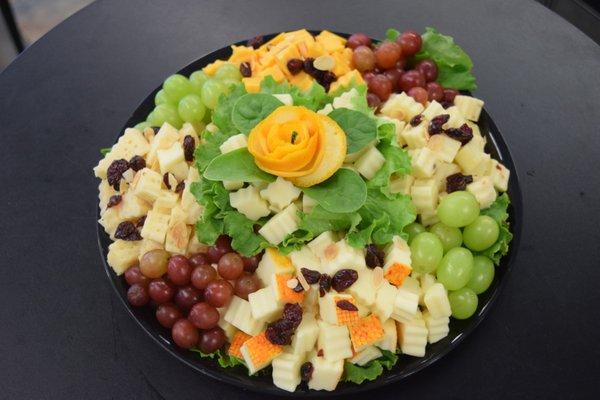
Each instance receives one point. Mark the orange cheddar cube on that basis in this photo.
(347, 79)
(258, 352)
(241, 54)
(366, 332)
(252, 84)
(302, 80)
(283, 292)
(273, 71)
(330, 41)
(343, 59)
(345, 317)
(236, 344)
(396, 273)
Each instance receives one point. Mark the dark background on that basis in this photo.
(66, 335)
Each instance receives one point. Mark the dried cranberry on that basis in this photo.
(457, 182)
(324, 284)
(180, 186)
(346, 305)
(115, 172)
(435, 125)
(166, 180)
(309, 67)
(189, 145)
(374, 256)
(114, 200)
(416, 120)
(140, 222)
(326, 78)
(127, 231)
(298, 288)
(343, 279)
(245, 69)
(256, 41)
(292, 312)
(306, 371)
(136, 163)
(464, 134)
(295, 66)
(280, 332)
(310, 275)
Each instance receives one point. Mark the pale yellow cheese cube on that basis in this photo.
(169, 158)
(280, 225)
(401, 184)
(132, 206)
(233, 143)
(423, 163)
(132, 143)
(483, 190)
(326, 374)
(306, 334)
(248, 202)
(469, 106)
(166, 136)
(444, 147)
(369, 163)
(432, 110)
(271, 263)
(424, 193)
(264, 304)
(123, 254)
(147, 185)
(286, 371)
(416, 136)
(334, 341)
(155, 226)
(177, 238)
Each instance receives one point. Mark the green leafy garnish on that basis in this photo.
(252, 108)
(498, 211)
(236, 165)
(454, 65)
(392, 34)
(372, 370)
(224, 359)
(360, 128)
(344, 192)
(105, 150)
(221, 116)
(314, 98)
(209, 149)
(358, 100)
(241, 230)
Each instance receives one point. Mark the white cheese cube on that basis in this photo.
(390, 336)
(286, 370)
(305, 258)
(233, 143)
(326, 374)
(470, 156)
(239, 314)
(169, 158)
(321, 242)
(155, 226)
(470, 107)
(248, 202)
(437, 328)
(311, 299)
(306, 334)
(352, 157)
(424, 194)
(285, 98)
(281, 225)
(325, 110)
(456, 119)
(401, 106)
(166, 136)
(264, 304)
(233, 185)
(110, 220)
(436, 301)
(132, 143)
(308, 203)
(280, 193)
(428, 217)
(405, 305)
(147, 185)
(412, 336)
(432, 110)
(123, 254)
(401, 184)
(423, 162)
(345, 100)
(397, 252)
(177, 238)
(364, 288)
(412, 285)
(499, 175)
(229, 329)
(442, 171)
(384, 300)
(367, 354)
(369, 163)
(334, 341)
(483, 190)
(398, 127)
(194, 245)
(105, 192)
(426, 281)
(341, 255)
(165, 202)
(444, 147)
(187, 129)
(416, 136)
(271, 263)
(132, 206)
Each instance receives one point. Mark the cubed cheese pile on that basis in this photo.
(150, 193)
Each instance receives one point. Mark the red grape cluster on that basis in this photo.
(187, 292)
(389, 67)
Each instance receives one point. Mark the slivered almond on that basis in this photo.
(324, 63)
(149, 134)
(302, 281)
(377, 277)
(128, 175)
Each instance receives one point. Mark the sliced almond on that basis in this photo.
(324, 63)
(377, 277)
(292, 283)
(172, 181)
(128, 175)
(302, 281)
(149, 134)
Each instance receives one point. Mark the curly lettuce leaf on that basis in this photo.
(224, 359)
(499, 211)
(372, 370)
(314, 98)
(454, 65)
(241, 230)
(208, 149)
(222, 114)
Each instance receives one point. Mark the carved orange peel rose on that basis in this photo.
(296, 143)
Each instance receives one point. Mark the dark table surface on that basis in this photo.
(65, 335)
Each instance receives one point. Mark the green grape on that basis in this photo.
(177, 86)
(449, 236)
(413, 230)
(463, 303)
(211, 91)
(162, 97)
(426, 252)
(165, 113)
(482, 274)
(191, 108)
(229, 71)
(458, 209)
(481, 233)
(142, 125)
(197, 80)
(455, 268)
(229, 84)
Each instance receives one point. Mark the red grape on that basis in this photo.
(168, 314)
(401, 64)
(179, 270)
(411, 42)
(435, 91)
(246, 284)
(251, 263)
(358, 39)
(230, 266)
(160, 291)
(218, 293)
(419, 94)
(411, 79)
(199, 259)
(186, 297)
(203, 275)
(137, 295)
(372, 100)
(215, 253)
(204, 316)
(387, 54)
(212, 340)
(450, 94)
(133, 275)
(364, 58)
(381, 86)
(394, 75)
(185, 334)
(224, 242)
(153, 264)
(428, 68)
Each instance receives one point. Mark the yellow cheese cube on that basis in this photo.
(177, 238)
(147, 185)
(132, 206)
(350, 78)
(334, 341)
(273, 262)
(330, 41)
(123, 254)
(156, 226)
(326, 373)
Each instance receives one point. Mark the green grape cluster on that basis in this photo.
(183, 99)
(446, 249)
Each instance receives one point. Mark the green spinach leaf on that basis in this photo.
(360, 128)
(236, 165)
(344, 192)
(222, 114)
(252, 108)
(372, 370)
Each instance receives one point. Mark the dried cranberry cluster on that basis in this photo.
(374, 256)
(280, 332)
(458, 181)
(127, 231)
(115, 171)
